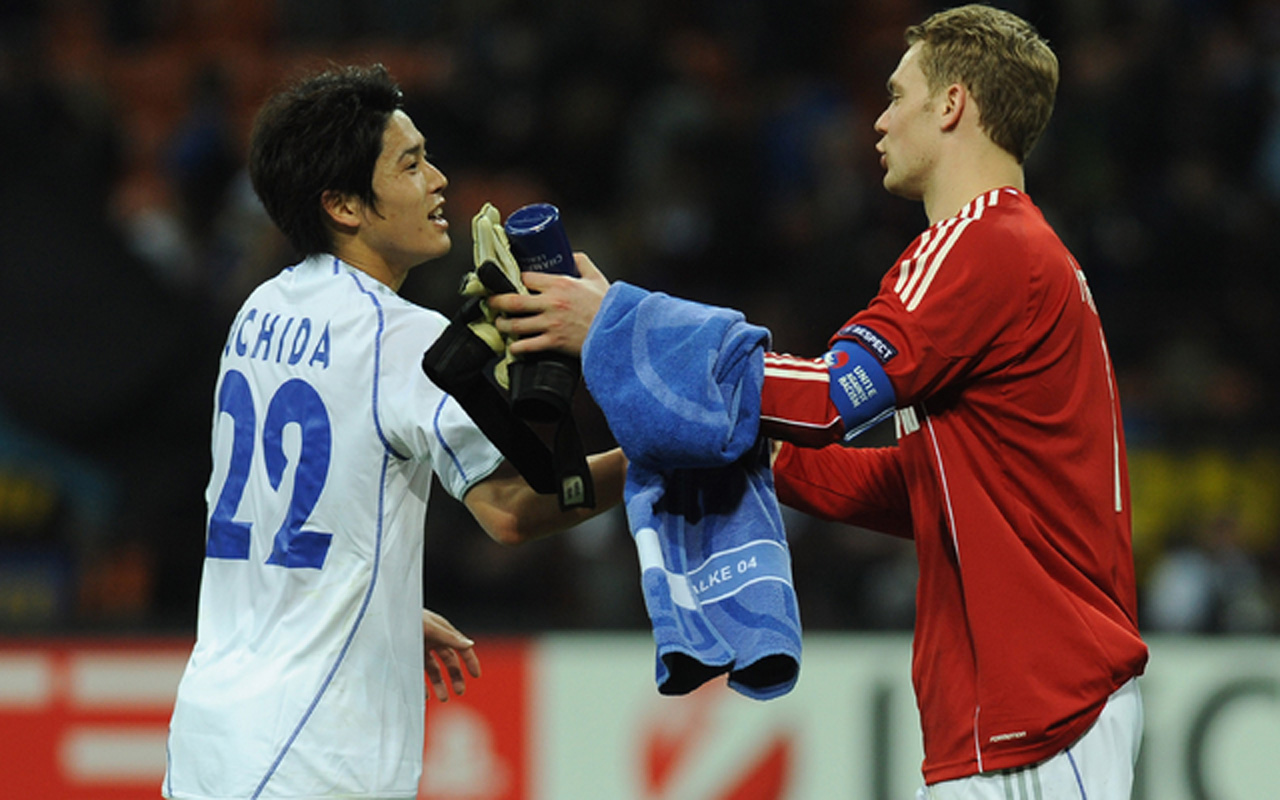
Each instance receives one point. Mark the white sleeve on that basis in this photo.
(419, 421)
(461, 455)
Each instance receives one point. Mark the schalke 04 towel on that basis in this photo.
(679, 383)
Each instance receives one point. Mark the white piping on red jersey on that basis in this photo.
(955, 544)
(916, 274)
(946, 487)
(785, 367)
(791, 368)
(1116, 477)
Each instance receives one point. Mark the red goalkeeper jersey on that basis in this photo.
(1009, 474)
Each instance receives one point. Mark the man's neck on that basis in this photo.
(371, 264)
(969, 177)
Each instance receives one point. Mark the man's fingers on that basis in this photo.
(439, 632)
(436, 680)
(514, 303)
(471, 661)
(536, 343)
(448, 652)
(556, 316)
(517, 326)
(586, 267)
(454, 662)
(453, 667)
(541, 281)
(536, 282)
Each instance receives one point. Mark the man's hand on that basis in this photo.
(452, 650)
(556, 314)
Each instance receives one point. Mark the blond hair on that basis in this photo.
(1008, 69)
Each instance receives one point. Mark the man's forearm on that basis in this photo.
(511, 512)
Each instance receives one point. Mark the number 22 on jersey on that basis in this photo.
(296, 401)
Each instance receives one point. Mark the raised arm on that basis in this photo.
(815, 402)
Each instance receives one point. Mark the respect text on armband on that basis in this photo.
(874, 342)
(265, 336)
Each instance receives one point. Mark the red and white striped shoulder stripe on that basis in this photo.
(916, 273)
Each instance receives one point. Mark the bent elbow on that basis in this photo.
(507, 537)
(507, 531)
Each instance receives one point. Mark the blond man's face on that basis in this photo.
(908, 129)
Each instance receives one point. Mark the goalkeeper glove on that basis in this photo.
(496, 272)
(470, 361)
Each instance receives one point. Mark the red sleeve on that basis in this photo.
(862, 486)
(953, 306)
(795, 404)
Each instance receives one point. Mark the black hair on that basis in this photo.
(321, 133)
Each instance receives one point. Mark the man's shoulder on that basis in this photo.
(1009, 212)
(402, 312)
(1003, 226)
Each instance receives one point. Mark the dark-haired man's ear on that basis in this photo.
(343, 209)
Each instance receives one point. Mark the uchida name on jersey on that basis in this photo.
(280, 339)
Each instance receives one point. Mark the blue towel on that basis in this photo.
(679, 383)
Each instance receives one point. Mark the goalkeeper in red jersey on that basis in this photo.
(984, 345)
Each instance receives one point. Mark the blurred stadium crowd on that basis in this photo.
(717, 149)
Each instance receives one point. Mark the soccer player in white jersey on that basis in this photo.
(307, 677)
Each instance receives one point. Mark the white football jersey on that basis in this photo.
(306, 680)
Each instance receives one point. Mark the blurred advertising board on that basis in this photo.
(578, 716)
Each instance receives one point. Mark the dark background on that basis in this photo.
(721, 151)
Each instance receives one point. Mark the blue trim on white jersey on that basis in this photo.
(377, 360)
(346, 645)
(1076, 769)
(435, 425)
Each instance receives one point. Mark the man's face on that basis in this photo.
(408, 226)
(908, 130)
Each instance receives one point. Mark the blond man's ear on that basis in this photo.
(953, 101)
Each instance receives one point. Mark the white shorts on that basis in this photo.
(1097, 766)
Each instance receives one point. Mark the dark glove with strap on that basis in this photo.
(470, 360)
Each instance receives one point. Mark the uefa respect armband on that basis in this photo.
(859, 387)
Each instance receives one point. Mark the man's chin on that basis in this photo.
(898, 189)
(442, 249)
(434, 255)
